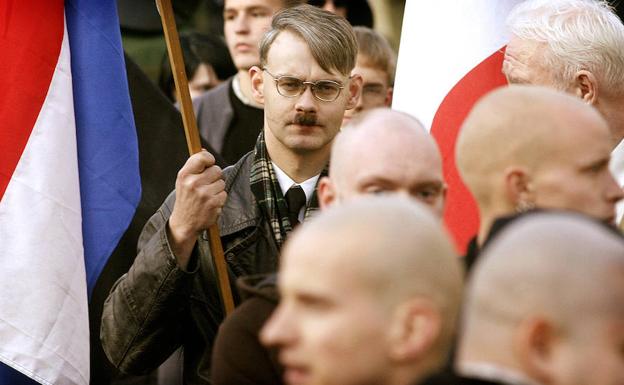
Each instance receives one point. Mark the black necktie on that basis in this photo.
(295, 199)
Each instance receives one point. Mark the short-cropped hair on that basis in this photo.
(330, 37)
(578, 35)
(376, 51)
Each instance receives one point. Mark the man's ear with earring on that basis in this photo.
(525, 200)
(520, 189)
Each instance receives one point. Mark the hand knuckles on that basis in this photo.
(188, 183)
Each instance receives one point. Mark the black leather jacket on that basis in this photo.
(157, 307)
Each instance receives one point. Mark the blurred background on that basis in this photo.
(144, 42)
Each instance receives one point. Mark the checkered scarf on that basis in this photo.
(266, 189)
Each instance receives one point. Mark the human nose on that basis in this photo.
(277, 331)
(330, 6)
(306, 101)
(241, 23)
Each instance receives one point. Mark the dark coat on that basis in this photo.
(239, 357)
(451, 379)
(157, 307)
(214, 113)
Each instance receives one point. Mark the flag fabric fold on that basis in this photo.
(69, 181)
(450, 55)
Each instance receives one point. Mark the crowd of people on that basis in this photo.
(330, 214)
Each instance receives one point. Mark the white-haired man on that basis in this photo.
(576, 46)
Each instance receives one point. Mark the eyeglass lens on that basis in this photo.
(323, 89)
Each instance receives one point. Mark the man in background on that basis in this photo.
(376, 63)
(228, 116)
(526, 147)
(575, 46)
(384, 151)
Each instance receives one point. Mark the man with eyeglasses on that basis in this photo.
(227, 116)
(376, 63)
(170, 295)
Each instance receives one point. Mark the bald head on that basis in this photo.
(560, 273)
(519, 143)
(367, 301)
(419, 248)
(385, 151)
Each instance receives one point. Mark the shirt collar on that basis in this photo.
(494, 372)
(286, 182)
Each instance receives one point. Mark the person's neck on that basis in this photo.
(485, 225)
(244, 82)
(298, 166)
(491, 370)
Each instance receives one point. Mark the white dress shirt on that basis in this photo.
(286, 182)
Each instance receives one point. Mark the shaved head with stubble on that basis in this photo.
(369, 301)
(527, 146)
(546, 301)
(384, 151)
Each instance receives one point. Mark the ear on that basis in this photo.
(414, 330)
(355, 89)
(519, 189)
(326, 192)
(534, 345)
(257, 83)
(389, 95)
(585, 86)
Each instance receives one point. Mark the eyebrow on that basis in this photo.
(315, 299)
(600, 163)
(384, 181)
(247, 9)
(372, 84)
(278, 75)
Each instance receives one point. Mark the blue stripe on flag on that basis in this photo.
(10, 376)
(110, 185)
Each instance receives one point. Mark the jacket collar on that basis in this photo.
(240, 210)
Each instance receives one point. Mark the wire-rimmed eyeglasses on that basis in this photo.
(291, 87)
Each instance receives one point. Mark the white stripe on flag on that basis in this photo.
(44, 325)
(440, 43)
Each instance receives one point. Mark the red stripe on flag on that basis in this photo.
(461, 213)
(31, 33)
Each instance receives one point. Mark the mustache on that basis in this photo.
(306, 119)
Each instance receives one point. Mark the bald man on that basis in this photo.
(523, 147)
(366, 301)
(384, 151)
(380, 151)
(545, 305)
(576, 46)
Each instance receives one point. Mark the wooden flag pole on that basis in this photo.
(192, 138)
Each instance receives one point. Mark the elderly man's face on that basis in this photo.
(318, 328)
(301, 123)
(245, 22)
(577, 177)
(522, 66)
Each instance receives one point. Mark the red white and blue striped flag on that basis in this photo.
(450, 55)
(69, 179)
